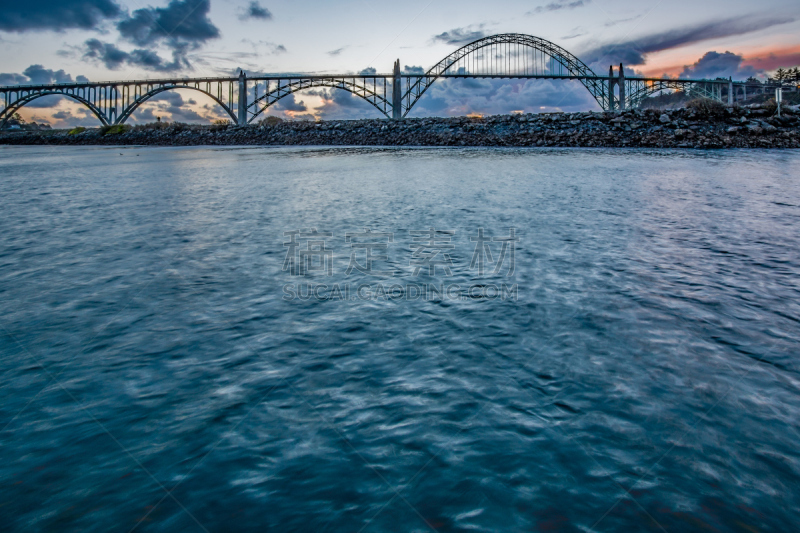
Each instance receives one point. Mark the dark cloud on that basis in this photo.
(45, 102)
(12, 79)
(460, 97)
(558, 5)
(170, 105)
(460, 35)
(172, 98)
(112, 57)
(181, 22)
(256, 11)
(369, 71)
(340, 104)
(407, 69)
(634, 52)
(152, 61)
(337, 51)
(65, 118)
(38, 75)
(290, 103)
(715, 65)
(21, 16)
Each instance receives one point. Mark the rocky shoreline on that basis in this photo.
(700, 127)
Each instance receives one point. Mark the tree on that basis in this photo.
(18, 118)
(796, 74)
(780, 75)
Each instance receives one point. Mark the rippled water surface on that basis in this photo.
(157, 376)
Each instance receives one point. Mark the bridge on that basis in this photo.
(504, 56)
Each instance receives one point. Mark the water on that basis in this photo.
(157, 377)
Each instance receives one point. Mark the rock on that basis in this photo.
(570, 129)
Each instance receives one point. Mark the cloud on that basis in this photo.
(407, 69)
(256, 11)
(38, 75)
(113, 58)
(107, 53)
(369, 71)
(290, 103)
(612, 23)
(13, 79)
(715, 65)
(337, 51)
(273, 48)
(339, 104)
(780, 57)
(634, 52)
(558, 5)
(170, 105)
(69, 118)
(181, 22)
(578, 32)
(58, 15)
(460, 35)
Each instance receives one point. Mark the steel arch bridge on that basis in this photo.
(510, 55)
(504, 56)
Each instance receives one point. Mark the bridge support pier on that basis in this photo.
(397, 95)
(241, 115)
(621, 83)
(611, 83)
(730, 91)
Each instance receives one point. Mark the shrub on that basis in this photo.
(222, 122)
(705, 106)
(75, 131)
(271, 121)
(116, 129)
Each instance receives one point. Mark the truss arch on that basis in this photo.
(18, 104)
(508, 65)
(128, 111)
(362, 90)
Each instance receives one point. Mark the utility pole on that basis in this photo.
(241, 117)
(397, 95)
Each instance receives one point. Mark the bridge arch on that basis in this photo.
(18, 104)
(372, 96)
(128, 111)
(511, 43)
(640, 90)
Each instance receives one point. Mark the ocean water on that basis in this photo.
(191, 341)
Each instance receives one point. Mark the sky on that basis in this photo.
(72, 40)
